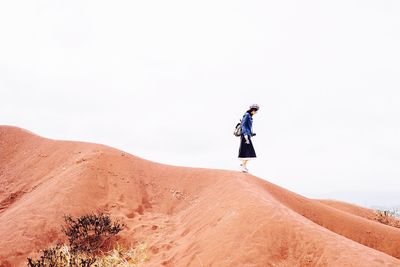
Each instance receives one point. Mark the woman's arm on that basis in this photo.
(246, 127)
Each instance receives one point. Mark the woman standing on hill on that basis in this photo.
(246, 150)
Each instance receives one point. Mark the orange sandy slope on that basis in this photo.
(185, 216)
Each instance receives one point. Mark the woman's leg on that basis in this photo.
(245, 163)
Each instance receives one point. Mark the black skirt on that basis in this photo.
(246, 150)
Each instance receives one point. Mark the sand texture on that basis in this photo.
(185, 216)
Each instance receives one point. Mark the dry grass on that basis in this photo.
(121, 257)
(387, 217)
(62, 256)
(86, 236)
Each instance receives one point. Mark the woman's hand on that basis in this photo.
(247, 139)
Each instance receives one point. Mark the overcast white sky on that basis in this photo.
(168, 81)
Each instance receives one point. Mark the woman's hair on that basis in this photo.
(250, 110)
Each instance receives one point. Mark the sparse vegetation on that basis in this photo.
(88, 233)
(86, 236)
(388, 217)
(121, 257)
(61, 256)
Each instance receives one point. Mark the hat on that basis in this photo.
(255, 106)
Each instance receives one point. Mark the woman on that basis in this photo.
(246, 150)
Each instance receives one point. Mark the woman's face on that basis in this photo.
(254, 112)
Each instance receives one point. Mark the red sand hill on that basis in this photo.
(186, 216)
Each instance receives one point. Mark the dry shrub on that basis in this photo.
(89, 232)
(61, 256)
(387, 217)
(86, 236)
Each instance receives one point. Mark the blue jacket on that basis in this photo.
(247, 124)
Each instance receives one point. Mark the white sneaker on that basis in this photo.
(244, 169)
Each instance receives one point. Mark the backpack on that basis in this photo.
(238, 129)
